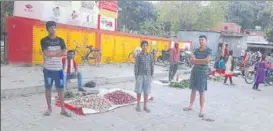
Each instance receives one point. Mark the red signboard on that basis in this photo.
(111, 5)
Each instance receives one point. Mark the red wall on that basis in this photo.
(19, 39)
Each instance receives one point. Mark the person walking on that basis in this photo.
(174, 59)
(246, 62)
(229, 68)
(54, 49)
(260, 73)
(199, 74)
(144, 71)
(269, 60)
(218, 55)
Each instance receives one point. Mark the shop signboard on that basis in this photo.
(28, 9)
(110, 5)
(107, 23)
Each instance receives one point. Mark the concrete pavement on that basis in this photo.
(236, 108)
(17, 80)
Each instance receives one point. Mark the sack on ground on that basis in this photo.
(90, 84)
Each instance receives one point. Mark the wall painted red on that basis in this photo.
(19, 39)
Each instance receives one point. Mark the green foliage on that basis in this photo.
(191, 15)
(6, 10)
(134, 13)
(167, 17)
(180, 84)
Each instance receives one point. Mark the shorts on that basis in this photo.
(56, 76)
(143, 83)
(198, 81)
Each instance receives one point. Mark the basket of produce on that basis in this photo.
(180, 84)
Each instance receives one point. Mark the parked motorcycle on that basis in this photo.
(185, 58)
(164, 57)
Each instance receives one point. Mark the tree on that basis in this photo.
(134, 13)
(191, 15)
(6, 10)
(151, 27)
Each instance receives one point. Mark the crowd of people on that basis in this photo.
(263, 65)
(60, 66)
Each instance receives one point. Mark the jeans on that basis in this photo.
(268, 78)
(69, 76)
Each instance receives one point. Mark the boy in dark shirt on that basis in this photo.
(54, 49)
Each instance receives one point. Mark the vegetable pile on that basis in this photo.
(181, 84)
(93, 102)
(119, 98)
(217, 78)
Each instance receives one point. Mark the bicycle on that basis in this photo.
(93, 55)
(250, 76)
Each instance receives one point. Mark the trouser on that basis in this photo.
(268, 78)
(230, 79)
(173, 70)
(256, 85)
(69, 76)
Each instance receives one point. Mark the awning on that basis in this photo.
(269, 46)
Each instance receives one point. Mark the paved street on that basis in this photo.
(19, 76)
(232, 108)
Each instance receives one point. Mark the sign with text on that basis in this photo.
(111, 5)
(78, 13)
(28, 9)
(107, 23)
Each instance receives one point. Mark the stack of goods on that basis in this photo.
(92, 102)
(180, 84)
(89, 103)
(119, 98)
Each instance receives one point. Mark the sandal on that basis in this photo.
(208, 119)
(138, 109)
(147, 110)
(47, 113)
(187, 109)
(65, 114)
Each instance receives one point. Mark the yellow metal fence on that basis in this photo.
(115, 47)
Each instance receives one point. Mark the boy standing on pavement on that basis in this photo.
(71, 71)
(54, 49)
(144, 71)
(174, 59)
(199, 74)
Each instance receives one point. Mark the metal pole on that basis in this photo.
(5, 48)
